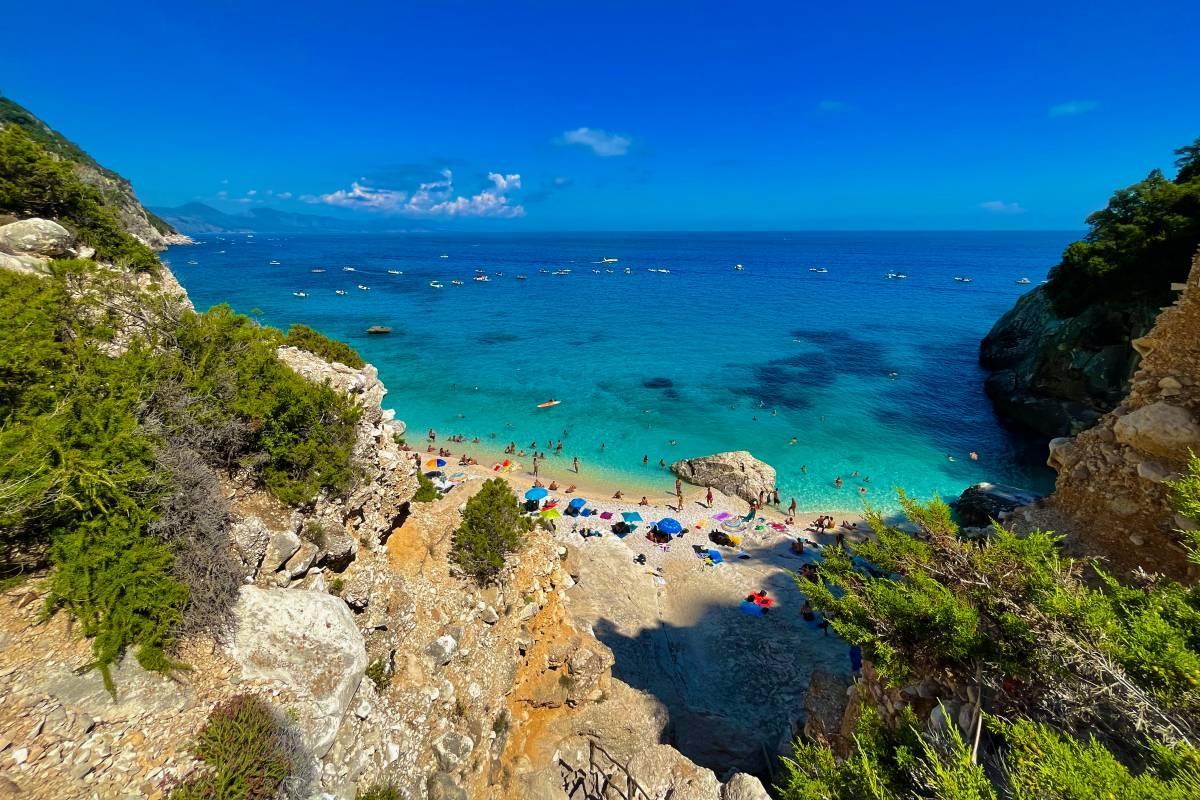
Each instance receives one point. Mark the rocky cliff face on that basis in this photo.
(1109, 495)
(1057, 376)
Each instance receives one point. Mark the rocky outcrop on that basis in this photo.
(306, 645)
(1110, 497)
(736, 473)
(981, 503)
(1057, 376)
(28, 245)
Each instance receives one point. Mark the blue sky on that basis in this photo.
(621, 115)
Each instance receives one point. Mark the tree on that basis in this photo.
(492, 527)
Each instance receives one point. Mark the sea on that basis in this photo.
(658, 347)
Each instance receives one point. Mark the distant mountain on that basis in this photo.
(201, 218)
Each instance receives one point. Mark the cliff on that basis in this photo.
(1110, 497)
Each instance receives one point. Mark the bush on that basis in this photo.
(318, 344)
(380, 791)
(248, 751)
(492, 527)
(426, 491)
(377, 672)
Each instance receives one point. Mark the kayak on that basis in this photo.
(549, 403)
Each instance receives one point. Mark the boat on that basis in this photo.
(543, 271)
(347, 269)
(436, 285)
(394, 272)
(481, 279)
(549, 403)
(443, 256)
(340, 292)
(962, 279)
(609, 271)
(454, 283)
(738, 267)
(521, 277)
(628, 271)
(193, 263)
(1024, 281)
(364, 288)
(895, 275)
(317, 269)
(378, 330)
(300, 294)
(596, 272)
(822, 270)
(608, 261)
(273, 261)
(499, 274)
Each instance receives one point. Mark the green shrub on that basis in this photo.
(426, 491)
(337, 585)
(318, 344)
(380, 791)
(247, 751)
(492, 527)
(34, 182)
(377, 672)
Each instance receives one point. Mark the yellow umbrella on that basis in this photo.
(551, 513)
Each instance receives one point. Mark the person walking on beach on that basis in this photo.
(575, 463)
(535, 467)
(709, 497)
(792, 508)
(679, 500)
(678, 486)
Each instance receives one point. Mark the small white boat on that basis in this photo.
(443, 256)
(340, 292)
(962, 279)
(608, 261)
(521, 277)
(436, 285)
(364, 288)
(1024, 281)
(596, 272)
(896, 275)
(273, 261)
(300, 294)
(628, 271)
(454, 282)
(821, 270)
(499, 274)
(193, 263)
(543, 271)
(317, 269)
(394, 272)
(738, 267)
(481, 279)
(347, 269)
(609, 271)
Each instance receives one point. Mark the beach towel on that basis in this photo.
(716, 557)
(631, 516)
(606, 515)
(752, 609)
(724, 515)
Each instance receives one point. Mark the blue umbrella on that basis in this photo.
(631, 516)
(577, 502)
(670, 526)
(536, 493)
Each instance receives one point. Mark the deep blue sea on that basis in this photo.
(870, 375)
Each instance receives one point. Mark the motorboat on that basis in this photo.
(364, 288)
(481, 279)
(1024, 281)
(962, 279)
(628, 271)
(274, 262)
(340, 292)
(300, 294)
(739, 267)
(821, 270)
(436, 285)
(521, 277)
(443, 255)
(394, 272)
(317, 269)
(347, 269)
(608, 261)
(378, 330)
(452, 283)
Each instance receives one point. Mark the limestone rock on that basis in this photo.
(442, 649)
(452, 749)
(735, 473)
(301, 560)
(30, 265)
(744, 787)
(282, 546)
(306, 642)
(338, 552)
(1159, 429)
(442, 786)
(36, 237)
(250, 537)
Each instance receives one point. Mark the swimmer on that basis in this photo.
(974, 456)
(793, 441)
(838, 481)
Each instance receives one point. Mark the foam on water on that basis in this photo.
(869, 374)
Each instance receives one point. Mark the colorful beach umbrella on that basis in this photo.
(434, 463)
(670, 525)
(631, 516)
(551, 513)
(577, 502)
(536, 493)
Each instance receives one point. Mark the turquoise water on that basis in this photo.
(868, 374)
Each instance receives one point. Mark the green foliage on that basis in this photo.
(377, 672)
(306, 338)
(1142, 241)
(34, 182)
(1184, 493)
(337, 585)
(492, 527)
(426, 491)
(380, 791)
(247, 754)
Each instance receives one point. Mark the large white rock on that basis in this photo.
(308, 644)
(734, 473)
(36, 237)
(744, 787)
(1159, 429)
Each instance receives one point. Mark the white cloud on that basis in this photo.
(602, 143)
(284, 195)
(1001, 207)
(251, 193)
(1072, 108)
(433, 198)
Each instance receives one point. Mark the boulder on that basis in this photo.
(338, 553)
(452, 749)
(282, 546)
(984, 502)
(307, 644)
(250, 537)
(301, 560)
(1159, 429)
(744, 787)
(36, 237)
(30, 265)
(735, 473)
(442, 649)
(442, 786)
